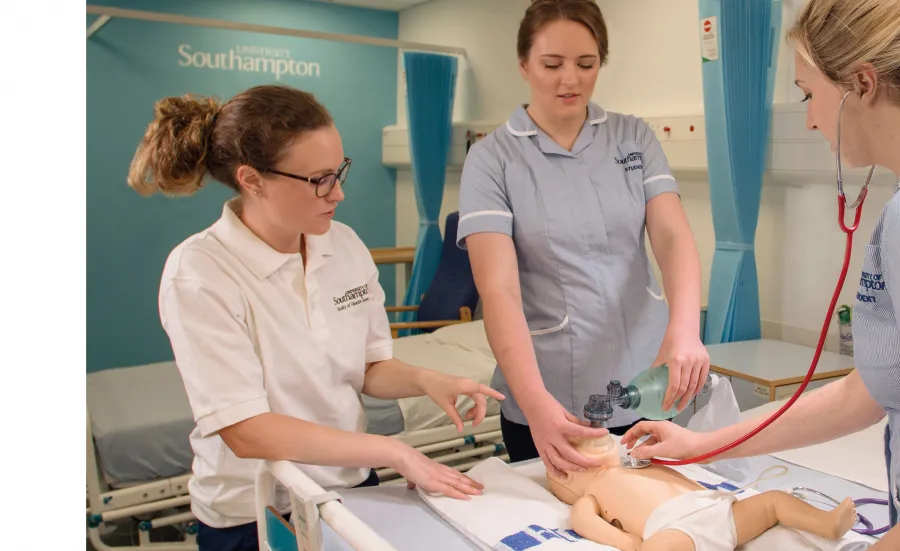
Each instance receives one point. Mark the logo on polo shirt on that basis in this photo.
(630, 160)
(869, 283)
(352, 297)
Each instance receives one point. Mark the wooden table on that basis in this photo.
(774, 364)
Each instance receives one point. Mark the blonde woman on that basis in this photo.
(847, 51)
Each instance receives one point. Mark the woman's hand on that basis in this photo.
(431, 476)
(553, 428)
(444, 390)
(666, 440)
(688, 362)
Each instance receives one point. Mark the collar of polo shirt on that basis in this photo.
(253, 252)
(520, 123)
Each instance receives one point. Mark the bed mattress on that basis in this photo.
(858, 457)
(141, 422)
(461, 350)
(140, 419)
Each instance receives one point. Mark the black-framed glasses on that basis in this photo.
(324, 183)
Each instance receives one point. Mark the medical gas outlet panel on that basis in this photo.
(795, 156)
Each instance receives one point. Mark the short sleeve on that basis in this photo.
(483, 203)
(379, 342)
(658, 177)
(214, 353)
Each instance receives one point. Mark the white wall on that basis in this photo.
(799, 246)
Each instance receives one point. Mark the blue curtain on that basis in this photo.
(739, 52)
(430, 87)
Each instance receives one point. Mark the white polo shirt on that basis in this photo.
(252, 333)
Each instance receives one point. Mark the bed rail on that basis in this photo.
(310, 506)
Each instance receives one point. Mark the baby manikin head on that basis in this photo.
(572, 485)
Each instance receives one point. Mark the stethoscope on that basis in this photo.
(869, 529)
(798, 491)
(842, 199)
(849, 231)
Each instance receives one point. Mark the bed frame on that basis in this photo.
(106, 506)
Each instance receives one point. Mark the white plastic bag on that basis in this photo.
(721, 411)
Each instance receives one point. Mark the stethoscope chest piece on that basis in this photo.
(634, 463)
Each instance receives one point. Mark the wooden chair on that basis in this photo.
(465, 315)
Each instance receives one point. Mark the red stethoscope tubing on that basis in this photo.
(842, 203)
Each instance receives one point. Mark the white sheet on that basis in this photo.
(513, 510)
(856, 457)
(461, 350)
(516, 497)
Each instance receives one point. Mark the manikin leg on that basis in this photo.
(668, 540)
(756, 514)
(587, 523)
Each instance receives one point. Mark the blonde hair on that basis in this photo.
(837, 36)
(191, 136)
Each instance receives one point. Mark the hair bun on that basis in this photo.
(178, 137)
(187, 109)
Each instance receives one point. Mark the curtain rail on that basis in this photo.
(109, 12)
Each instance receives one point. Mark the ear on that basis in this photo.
(866, 82)
(249, 179)
(523, 68)
(563, 480)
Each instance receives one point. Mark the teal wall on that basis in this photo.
(131, 64)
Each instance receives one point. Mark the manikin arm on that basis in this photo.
(587, 523)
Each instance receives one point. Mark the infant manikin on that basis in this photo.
(657, 508)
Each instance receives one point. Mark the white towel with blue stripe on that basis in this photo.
(517, 513)
(514, 513)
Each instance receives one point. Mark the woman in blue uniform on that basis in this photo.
(847, 50)
(554, 207)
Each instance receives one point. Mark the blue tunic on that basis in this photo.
(577, 220)
(876, 333)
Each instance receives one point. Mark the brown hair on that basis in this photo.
(837, 36)
(542, 12)
(191, 136)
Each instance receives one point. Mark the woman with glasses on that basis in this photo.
(275, 314)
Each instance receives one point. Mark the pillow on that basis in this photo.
(469, 336)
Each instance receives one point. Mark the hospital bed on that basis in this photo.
(393, 517)
(139, 419)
